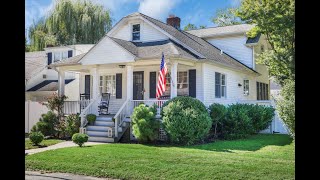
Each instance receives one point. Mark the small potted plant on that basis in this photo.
(91, 118)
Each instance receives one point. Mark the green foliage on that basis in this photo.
(226, 17)
(276, 20)
(47, 124)
(202, 26)
(82, 22)
(91, 118)
(189, 27)
(36, 137)
(217, 113)
(242, 120)
(286, 106)
(144, 124)
(185, 120)
(73, 123)
(80, 139)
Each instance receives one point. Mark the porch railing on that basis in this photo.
(74, 107)
(92, 108)
(158, 103)
(120, 117)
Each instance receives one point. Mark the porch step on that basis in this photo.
(104, 118)
(104, 123)
(98, 133)
(98, 128)
(100, 139)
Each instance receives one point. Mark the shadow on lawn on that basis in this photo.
(252, 143)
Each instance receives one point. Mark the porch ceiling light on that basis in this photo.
(122, 66)
(239, 84)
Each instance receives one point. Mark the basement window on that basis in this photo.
(136, 32)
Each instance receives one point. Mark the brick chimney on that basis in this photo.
(174, 21)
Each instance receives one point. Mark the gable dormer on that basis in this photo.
(134, 28)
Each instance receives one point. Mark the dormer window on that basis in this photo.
(136, 32)
(60, 55)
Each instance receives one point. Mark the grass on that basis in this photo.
(44, 143)
(258, 157)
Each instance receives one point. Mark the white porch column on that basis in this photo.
(174, 69)
(61, 83)
(95, 78)
(129, 82)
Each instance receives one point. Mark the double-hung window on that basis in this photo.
(246, 87)
(220, 85)
(182, 84)
(107, 84)
(60, 55)
(136, 32)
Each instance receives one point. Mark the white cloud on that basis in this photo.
(157, 9)
(112, 5)
(34, 11)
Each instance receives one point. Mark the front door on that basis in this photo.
(138, 89)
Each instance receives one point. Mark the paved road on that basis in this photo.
(35, 175)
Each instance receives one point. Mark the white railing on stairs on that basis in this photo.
(74, 107)
(158, 103)
(120, 116)
(92, 108)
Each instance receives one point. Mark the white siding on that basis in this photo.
(72, 89)
(235, 47)
(147, 32)
(105, 52)
(233, 78)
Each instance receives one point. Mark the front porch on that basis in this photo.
(129, 85)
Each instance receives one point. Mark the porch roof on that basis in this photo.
(48, 85)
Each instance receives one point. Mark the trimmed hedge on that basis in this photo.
(185, 120)
(47, 124)
(36, 138)
(241, 120)
(80, 139)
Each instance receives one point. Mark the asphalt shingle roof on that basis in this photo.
(34, 63)
(203, 49)
(215, 31)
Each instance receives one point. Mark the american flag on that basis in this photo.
(161, 87)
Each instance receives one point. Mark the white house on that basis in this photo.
(42, 81)
(214, 65)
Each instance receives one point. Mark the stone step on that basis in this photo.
(104, 123)
(98, 133)
(100, 139)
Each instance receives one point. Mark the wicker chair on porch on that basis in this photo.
(104, 104)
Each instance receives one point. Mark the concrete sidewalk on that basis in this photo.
(35, 175)
(58, 146)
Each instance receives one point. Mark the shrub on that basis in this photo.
(80, 139)
(144, 124)
(47, 124)
(242, 120)
(36, 138)
(91, 118)
(286, 106)
(185, 120)
(217, 113)
(72, 124)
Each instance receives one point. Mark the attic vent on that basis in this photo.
(221, 52)
(44, 76)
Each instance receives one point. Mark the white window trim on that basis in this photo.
(225, 79)
(60, 55)
(132, 24)
(244, 85)
(104, 85)
(169, 82)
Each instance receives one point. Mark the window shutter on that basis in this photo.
(153, 84)
(192, 83)
(49, 58)
(87, 84)
(267, 92)
(217, 85)
(69, 53)
(119, 86)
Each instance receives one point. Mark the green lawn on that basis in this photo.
(258, 157)
(44, 143)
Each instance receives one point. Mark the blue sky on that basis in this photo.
(198, 12)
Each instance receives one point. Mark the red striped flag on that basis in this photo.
(161, 86)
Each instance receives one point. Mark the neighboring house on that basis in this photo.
(214, 65)
(41, 81)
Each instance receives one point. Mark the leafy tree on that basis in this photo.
(226, 17)
(69, 22)
(202, 26)
(189, 27)
(276, 20)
